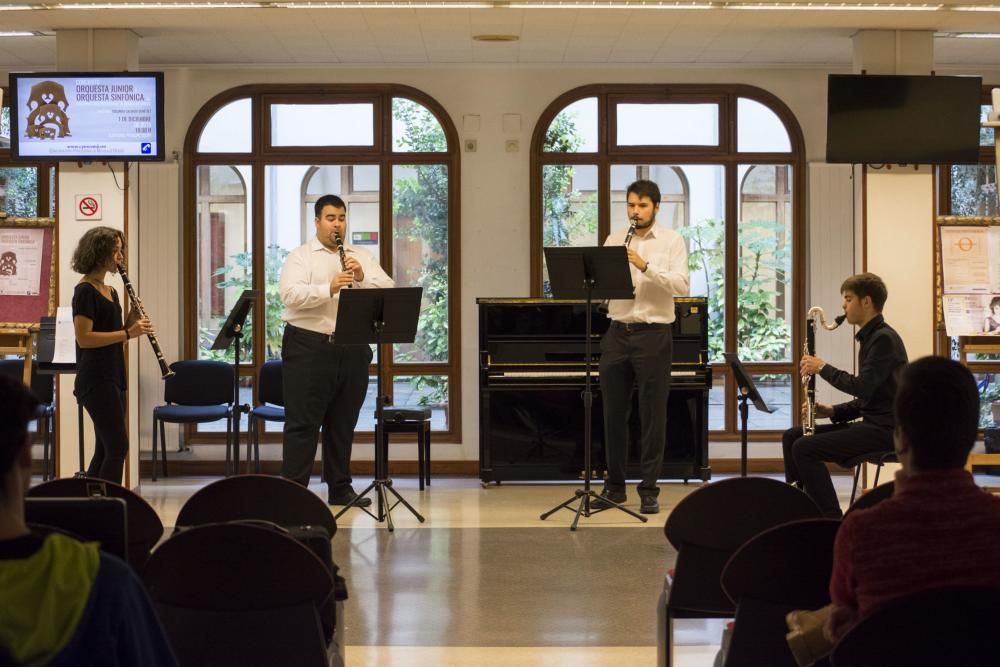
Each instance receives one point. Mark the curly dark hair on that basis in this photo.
(94, 249)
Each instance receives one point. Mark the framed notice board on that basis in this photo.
(967, 276)
(27, 272)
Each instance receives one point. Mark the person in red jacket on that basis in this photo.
(939, 528)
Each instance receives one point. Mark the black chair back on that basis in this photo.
(222, 591)
(943, 626)
(144, 526)
(199, 382)
(725, 514)
(256, 497)
(271, 387)
(42, 384)
(873, 497)
(100, 520)
(790, 563)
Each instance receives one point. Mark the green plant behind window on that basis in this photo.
(238, 274)
(423, 199)
(762, 333)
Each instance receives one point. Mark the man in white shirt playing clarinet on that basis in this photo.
(637, 349)
(324, 384)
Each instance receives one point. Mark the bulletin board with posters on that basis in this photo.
(27, 272)
(968, 276)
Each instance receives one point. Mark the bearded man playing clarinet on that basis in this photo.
(324, 384)
(880, 358)
(637, 349)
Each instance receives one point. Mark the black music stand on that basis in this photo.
(748, 391)
(379, 315)
(232, 329)
(47, 350)
(598, 272)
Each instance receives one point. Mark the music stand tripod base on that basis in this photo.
(586, 497)
(382, 488)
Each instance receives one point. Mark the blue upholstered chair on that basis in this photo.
(270, 392)
(200, 391)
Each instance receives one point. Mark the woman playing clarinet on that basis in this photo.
(100, 348)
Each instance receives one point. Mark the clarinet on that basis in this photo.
(340, 250)
(164, 368)
(809, 382)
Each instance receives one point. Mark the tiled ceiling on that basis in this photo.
(282, 36)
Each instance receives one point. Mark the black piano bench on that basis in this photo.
(417, 421)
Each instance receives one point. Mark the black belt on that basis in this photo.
(629, 327)
(299, 331)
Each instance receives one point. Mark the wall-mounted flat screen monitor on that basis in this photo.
(87, 116)
(884, 119)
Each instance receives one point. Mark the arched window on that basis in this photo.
(728, 161)
(261, 156)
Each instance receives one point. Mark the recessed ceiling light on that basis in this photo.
(496, 38)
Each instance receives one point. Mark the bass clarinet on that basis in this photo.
(164, 368)
(809, 381)
(340, 250)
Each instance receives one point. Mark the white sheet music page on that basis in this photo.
(65, 349)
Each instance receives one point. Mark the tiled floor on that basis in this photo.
(484, 582)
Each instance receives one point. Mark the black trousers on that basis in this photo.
(639, 358)
(324, 386)
(806, 457)
(105, 403)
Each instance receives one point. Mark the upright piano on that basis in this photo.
(531, 375)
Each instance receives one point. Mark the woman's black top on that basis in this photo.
(98, 364)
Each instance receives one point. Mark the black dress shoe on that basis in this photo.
(649, 505)
(607, 495)
(346, 498)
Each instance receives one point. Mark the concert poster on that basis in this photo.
(21, 261)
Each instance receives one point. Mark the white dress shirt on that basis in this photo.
(665, 277)
(304, 285)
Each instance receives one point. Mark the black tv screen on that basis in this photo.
(87, 116)
(887, 119)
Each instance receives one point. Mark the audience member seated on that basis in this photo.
(938, 529)
(62, 602)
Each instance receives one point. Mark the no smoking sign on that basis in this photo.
(88, 207)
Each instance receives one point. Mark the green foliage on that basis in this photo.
(762, 334)
(974, 190)
(567, 215)
(20, 191)
(989, 391)
(239, 274)
(423, 199)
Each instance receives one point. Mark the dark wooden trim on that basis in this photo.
(864, 217)
(768, 466)
(272, 467)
